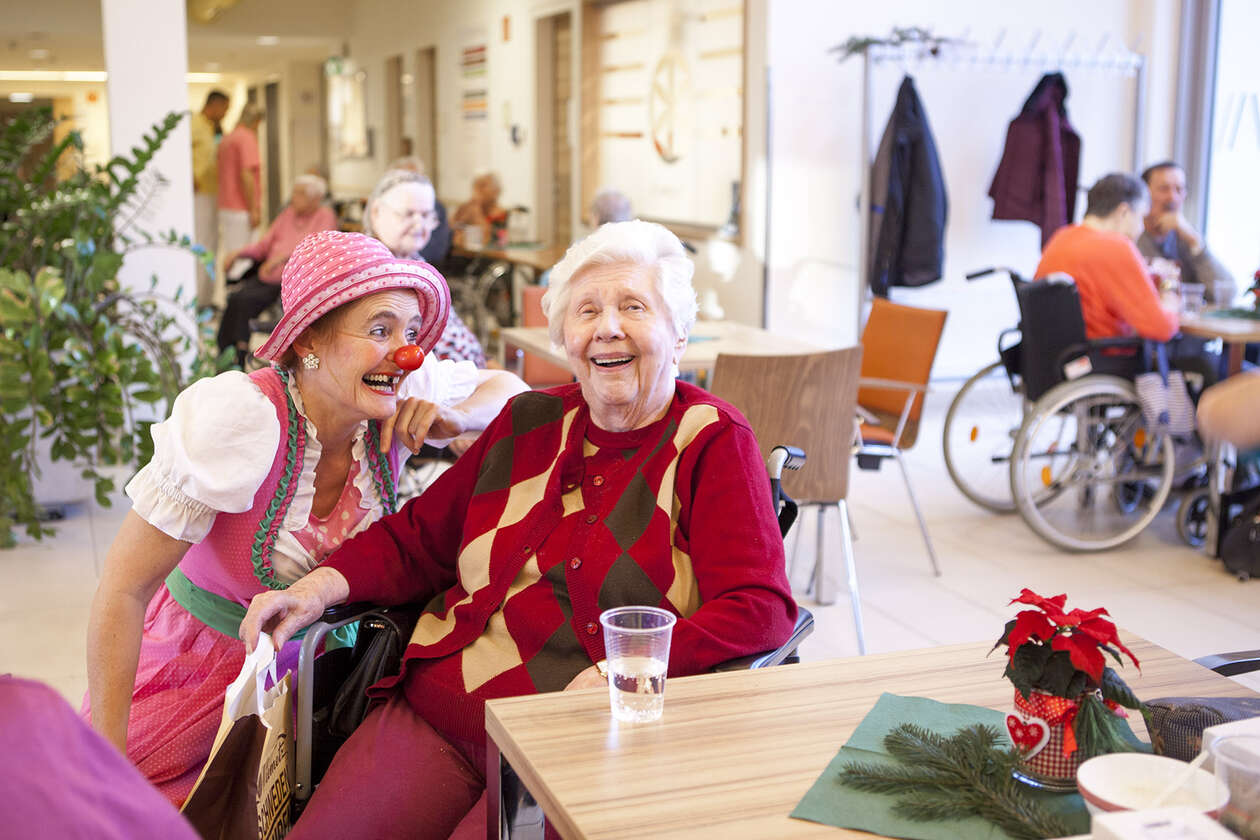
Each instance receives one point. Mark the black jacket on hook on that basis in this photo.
(1036, 180)
(908, 202)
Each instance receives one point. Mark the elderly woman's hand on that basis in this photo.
(589, 678)
(283, 612)
(416, 419)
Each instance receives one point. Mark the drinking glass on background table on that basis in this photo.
(1192, 297)
(636, 640)
(1237, 760)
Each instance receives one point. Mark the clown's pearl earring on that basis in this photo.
(310, 361)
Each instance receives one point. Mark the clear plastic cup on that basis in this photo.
(1192, 297)
(1237, 760)
(636, 640)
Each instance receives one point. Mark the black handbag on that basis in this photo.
(1240, 545)
(377, 654)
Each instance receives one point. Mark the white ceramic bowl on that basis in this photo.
(1131, 781)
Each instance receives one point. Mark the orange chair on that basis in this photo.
(537, 372)
(899, 344)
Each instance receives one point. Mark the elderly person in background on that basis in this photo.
(610, 205)
(482, 210)
(256, 479)
(402, 213)
(259, 288)
(437, 250)
(627, 487)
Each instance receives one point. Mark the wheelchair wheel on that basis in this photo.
(980, 428)
(1192, 519)
(1084, 473)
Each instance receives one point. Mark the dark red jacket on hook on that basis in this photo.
(1036, 180)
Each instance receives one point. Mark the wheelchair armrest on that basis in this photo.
(1229, 664)
(340, 613)
(783, 653)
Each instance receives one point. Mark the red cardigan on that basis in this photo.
(547, 521)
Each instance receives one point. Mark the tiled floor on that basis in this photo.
(1155, 586)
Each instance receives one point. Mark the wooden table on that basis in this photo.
(538, 258)
(1237, 333)
(707, 340)
(736, 751)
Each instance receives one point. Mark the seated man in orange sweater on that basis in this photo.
(1118, 297)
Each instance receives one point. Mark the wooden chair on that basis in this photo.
(538, 372)
(899, 345)
(806, 401)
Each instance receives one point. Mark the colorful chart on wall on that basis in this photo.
(671, 103)
(474, 106)
(347, 109)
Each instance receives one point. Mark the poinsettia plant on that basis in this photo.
(1064, 654)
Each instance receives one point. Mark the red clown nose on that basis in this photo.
(409, 357)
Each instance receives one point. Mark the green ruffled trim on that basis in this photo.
(265, 537)
(382, 475)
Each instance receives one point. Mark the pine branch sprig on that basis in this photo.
(965, 775)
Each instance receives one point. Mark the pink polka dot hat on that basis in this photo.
(331, 268)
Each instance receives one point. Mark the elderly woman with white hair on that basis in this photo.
(403, 212)
(626, 487)
(260, 287)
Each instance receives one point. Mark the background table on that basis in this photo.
(736, 751)
(1237, 333)
(707, 340)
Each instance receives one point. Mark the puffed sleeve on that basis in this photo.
(441, 381)
(210, 455)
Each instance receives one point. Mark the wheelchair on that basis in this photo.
(383, 637)
(1086, 471)
(983, 419)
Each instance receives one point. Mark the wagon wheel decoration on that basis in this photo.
(671, 81)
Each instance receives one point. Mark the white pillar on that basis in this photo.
(146, 57)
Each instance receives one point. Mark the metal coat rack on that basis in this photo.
(959, 53)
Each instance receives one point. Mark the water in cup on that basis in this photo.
(636, 640)
(636, 688)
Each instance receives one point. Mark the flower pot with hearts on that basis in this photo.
(1041, 729)
(1068, 703)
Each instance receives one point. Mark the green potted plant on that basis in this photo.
(86, 364)
(1068, 702)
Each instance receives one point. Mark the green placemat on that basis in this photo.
(832, 803)
(1237, 312)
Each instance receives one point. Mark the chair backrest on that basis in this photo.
(899, 342)
(804, 400)
(538, 372)
(1050, 322)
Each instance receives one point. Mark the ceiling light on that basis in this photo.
(21, 97)
(407, 79)
(82, 76)
(268, 40)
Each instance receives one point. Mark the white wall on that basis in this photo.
(375, 34)
(815, 117)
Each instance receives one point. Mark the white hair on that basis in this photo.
(635, 242)
(389, 180)
(313, 185)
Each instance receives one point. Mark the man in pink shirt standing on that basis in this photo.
(240, 194)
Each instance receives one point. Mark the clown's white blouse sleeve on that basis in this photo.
(212, 454)
(440, 381)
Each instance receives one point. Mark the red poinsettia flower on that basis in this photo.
(1052, 607)
(1029, 624)
(1084, 652)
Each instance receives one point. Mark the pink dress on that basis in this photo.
(186, 665)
